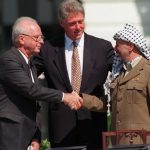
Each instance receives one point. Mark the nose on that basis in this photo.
(77, 25)
(41, 41)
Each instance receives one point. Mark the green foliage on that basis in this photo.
(45, 144)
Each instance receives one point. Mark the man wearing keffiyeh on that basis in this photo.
(130, 88)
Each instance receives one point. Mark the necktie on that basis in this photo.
(34, 80)
(76, 69)
(128, 68)
(31, 72)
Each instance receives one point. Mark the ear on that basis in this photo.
(131, 47)
(62, 24)
(21, 39)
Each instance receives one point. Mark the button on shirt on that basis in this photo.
(69, 51)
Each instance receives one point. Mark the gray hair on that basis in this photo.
(18, 28)
(69, 6)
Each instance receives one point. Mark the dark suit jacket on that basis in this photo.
(18, 97)
(98, 54)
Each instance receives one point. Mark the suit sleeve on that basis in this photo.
(110, 55)
(14, 76)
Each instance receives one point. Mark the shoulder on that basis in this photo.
(98, 44)
(56, 41)
(146, 62)
(144, 71)
(9, 53)
(52, 44)
(145, 66)
(11, 56)
(96, 39)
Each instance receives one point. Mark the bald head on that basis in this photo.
(23, 25)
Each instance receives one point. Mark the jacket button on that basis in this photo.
(119, 99)
(118, 121)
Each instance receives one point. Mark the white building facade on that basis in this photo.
(105, 17)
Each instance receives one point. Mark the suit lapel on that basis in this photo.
(24, 64)
(87, 63)
(60, 62)
(134, 72)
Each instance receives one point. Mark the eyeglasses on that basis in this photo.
(36, 38)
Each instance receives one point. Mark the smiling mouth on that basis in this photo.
(77, 31)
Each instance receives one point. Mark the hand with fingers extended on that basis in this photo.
(73, 100)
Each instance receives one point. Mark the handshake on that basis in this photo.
(90, 102)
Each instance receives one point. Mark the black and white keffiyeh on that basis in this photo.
(130, 34)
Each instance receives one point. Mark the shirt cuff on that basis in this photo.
(62, 97)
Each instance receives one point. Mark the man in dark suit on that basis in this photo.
(20, 90)
(67, 127)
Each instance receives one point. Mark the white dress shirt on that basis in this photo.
(69, 51)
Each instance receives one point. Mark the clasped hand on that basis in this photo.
(73, 100)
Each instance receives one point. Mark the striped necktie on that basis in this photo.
(76, 69)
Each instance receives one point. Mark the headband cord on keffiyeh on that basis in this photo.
(130, 34)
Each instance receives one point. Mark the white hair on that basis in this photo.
(18, 27)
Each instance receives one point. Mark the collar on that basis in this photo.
(129, 65)
(24, 56)
(80, 42)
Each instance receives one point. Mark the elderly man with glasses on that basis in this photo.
(20, 90)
